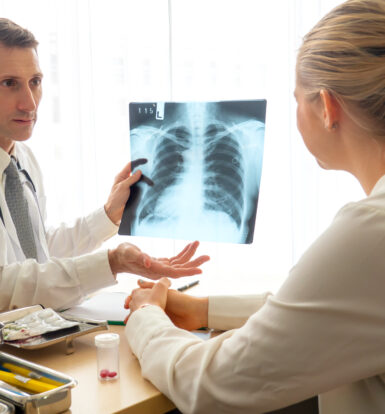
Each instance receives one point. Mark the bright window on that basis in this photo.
(99, 55)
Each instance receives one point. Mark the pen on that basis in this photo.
(24, 382)
(30, 374)
(188, 286)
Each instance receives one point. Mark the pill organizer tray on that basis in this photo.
(48, 402)
(85, 326)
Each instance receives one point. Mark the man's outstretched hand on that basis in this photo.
(128, 258)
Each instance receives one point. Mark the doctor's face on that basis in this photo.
(20, 94)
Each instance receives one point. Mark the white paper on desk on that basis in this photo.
(103, 306)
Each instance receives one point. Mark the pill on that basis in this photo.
(104, 373)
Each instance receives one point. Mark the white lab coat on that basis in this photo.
(65, 271)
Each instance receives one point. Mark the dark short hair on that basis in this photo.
(13, 35)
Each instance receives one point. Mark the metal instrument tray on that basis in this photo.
(49, 402)
(6, 407)
(50, 338)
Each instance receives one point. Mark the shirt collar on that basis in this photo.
(379, 187)
(5, 158)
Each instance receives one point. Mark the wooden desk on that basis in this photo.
(129, 394)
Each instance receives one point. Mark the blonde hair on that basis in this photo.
(345, 54)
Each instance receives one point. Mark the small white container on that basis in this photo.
(107, 346)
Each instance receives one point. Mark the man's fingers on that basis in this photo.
(173, 272)
(128, 168)
(156, 268)
(132, 179)
(186, 254)
(122, 175)
(194, 263)
(140, 161)
(188, 271)
(147, 180)
(181, 253)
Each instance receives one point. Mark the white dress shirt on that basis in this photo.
(65, 270)
(322, 333)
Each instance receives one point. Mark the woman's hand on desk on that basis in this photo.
(156, 295)
(185, 311)
(130, 259)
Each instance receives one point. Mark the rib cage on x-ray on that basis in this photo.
(168, 166)
(223, 172)
(206, 166)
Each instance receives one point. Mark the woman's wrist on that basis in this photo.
(203, 311)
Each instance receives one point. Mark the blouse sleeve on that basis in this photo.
(307, 339)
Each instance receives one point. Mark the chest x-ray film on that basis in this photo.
(205, 161)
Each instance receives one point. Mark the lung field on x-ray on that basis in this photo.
(205, 160)
(224, 167)
(167, 172)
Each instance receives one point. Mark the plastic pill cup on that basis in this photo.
(107, 348)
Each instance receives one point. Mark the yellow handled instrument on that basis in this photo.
(30, 374)
(28, 384)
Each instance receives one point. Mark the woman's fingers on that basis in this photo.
(127, 302)
(144, 284)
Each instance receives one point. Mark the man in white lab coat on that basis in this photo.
(55, 267)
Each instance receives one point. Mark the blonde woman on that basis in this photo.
(323, 333)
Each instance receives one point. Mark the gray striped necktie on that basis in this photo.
(18, 207)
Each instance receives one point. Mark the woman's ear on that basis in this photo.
(331, 110)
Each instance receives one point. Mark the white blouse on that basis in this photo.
(323, 333)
